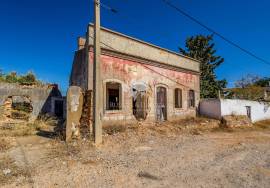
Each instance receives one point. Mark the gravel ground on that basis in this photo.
(145, 157)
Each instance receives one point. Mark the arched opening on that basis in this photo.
(161, 103)
(139, 101)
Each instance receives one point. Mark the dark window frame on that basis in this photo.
(113, 101)
(178, 98)
(191, 98)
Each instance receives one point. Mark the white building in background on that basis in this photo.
(217, 108)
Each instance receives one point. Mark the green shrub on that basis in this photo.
(11, 77)
(28, 79)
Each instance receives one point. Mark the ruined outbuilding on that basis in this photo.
(141, 81)
(28, 102)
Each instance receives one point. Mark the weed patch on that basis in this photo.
(10, 172)
(114, 129)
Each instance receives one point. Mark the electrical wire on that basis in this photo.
(216, 33)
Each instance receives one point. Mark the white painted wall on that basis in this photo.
(216, 108)
(259, 110)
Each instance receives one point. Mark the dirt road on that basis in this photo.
(142, 158)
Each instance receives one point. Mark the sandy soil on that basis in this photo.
(142, 157)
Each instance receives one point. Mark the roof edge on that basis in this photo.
(143, 42)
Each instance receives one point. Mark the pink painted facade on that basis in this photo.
(127, 70)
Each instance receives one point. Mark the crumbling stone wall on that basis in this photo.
(78, 76)
(86, 117)
(38, 96)
(231, 121)
(17, 107)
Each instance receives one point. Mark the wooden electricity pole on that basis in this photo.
(97, 98)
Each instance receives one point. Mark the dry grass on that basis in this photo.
(1, 113)
(45, 121)
(17, 129)
(15, 172)
(115, 129)
(4, 145)
(194, 126)
(262, 125)
(22, 128)
(258, 126)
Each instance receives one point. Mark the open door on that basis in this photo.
(161, 103)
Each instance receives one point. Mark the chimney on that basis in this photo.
(81, 42)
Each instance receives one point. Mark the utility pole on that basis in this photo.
(97, 108)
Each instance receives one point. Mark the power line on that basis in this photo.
(216, 33)
(107, 7)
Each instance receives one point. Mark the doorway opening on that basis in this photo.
(161, 104)
(139, 101)
(248, 108)
(59, 108)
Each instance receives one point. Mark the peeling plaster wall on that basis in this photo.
(127, 60)
(128, 72)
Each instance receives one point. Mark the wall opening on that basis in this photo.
(161, 107)
(191, 98)
(178, 98)
(113, 96)
(140, 101)
(248, 108)
(59, 108)
(18, 107)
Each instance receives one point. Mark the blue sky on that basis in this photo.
(40, 35)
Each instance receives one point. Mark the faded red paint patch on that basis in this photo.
(128, 70)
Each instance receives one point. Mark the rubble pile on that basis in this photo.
(233, 121)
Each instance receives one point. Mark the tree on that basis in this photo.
(202, 48)
(263, 82)
(248, 80)
(249, 87)
(250, 92)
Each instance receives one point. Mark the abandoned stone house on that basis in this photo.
(28, 102)
(141, 81)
